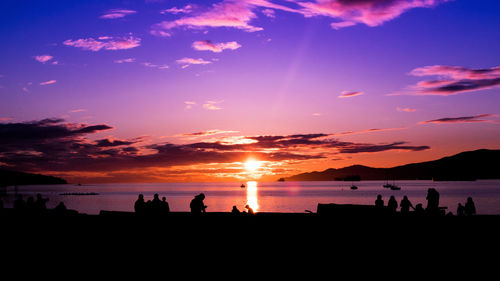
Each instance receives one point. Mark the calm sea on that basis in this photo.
(261, 196)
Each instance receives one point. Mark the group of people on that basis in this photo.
(32, 206)
(155, 206)
(432, 205)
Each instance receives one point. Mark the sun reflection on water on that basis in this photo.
(252, 199)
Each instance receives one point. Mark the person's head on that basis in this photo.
(156, 196)
(141, 197)
(200, 196)
(405, 197)
(469, 199)
(392, 197)
(163, 199)
(379, 196)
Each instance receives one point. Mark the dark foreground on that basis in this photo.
(221, 242)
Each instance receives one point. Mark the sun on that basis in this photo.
(252, 165)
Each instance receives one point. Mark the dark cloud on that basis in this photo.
(455, 79)
(52, 145)
(463, 119)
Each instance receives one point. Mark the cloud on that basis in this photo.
(117, 13)
(104, 42)
(48, 82)
(368, 12)
(212, 105)
(174, 10)
(57, 146)
(189, 104)
(207, 45)
(269, 13)
(78, 110)
(208, 133)
(347, 94)
(452, 80)
(43, 58)
(4, 119)
(405, 109)
(367, 131)
(235, 14)
(152, 65)
(127, 60)
(188, 61)
(463, 119)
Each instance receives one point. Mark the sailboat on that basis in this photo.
(391, 186)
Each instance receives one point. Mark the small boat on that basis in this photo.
(281, 179)
(395, 187)
(353, 187)
(242, 186)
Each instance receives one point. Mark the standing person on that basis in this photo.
(165, 208)
(197, 205)
(140, 205)
(392, 204)
(379, 203)
(405, 205)
(432, 201)
(460, 210)
(470, 207)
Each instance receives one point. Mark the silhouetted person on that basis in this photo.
(1, 205)
(470, 208)
(379, 203)
(165, 208)
(156, 203)
(250, 210)
(197, 206)
(140, 205)
(235, 210)
(432, 201)
(392, 204)
(61, 208)
(40, 203)
(405, 205)
(460, 210)
(19, 203)
(419, 209)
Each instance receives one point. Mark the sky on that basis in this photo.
(232, 90)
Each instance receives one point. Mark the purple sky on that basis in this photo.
(187, 90)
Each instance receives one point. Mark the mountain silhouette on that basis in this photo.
(8, 178)
(469, 165)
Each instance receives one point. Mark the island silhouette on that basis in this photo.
(464, 166)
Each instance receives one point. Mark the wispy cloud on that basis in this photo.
(152, 65)
(117, 13)
(212, 105)
(452, 80)
(174, 10)
(462, 119)
(104, 43)
(78, 110)
(208, 133)
(347, 94)
(405, 109)
(5, 119)
(189, 104)
(189, 61)
(368, 12)
(207, 45)
(43, 58)
(127, 60)
(48, 82)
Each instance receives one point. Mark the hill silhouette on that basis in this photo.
(469, 165)
(8, 178)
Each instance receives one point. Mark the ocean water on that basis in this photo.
(261, 196)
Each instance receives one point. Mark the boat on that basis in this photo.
(281, 179)
(242, 186)
(353, 187)
(395, 187)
